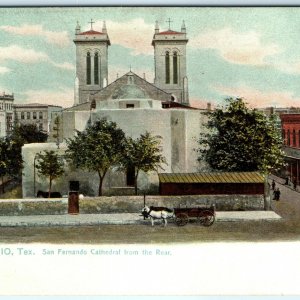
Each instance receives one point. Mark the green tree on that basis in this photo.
(98, 148)
(50, 166)
(22, 134)
(10, 159)
(143, 154)
(241, 139)
(28, 133)
(4, 160)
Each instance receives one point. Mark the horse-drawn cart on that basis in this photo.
(204, 215)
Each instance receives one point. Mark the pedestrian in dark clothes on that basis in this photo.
(286, 181)
(295, 184)
(273, 185)
(277, 194)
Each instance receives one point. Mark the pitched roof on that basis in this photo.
(170, 32)
(218, 177)
(89, 32)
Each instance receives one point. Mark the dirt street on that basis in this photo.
(285, 229)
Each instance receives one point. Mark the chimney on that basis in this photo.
(208, 106)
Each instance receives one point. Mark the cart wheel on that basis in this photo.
(206, 218)
(181, 219)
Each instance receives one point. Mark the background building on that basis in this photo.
(6, 114)
(35, 113)
(290, 124)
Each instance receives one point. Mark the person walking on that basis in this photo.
(277, 194)
(273, 185)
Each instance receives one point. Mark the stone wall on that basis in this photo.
(128, 204)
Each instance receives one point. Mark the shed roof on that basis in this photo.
(222, 177)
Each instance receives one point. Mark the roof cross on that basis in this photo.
(91, 24)
(169, 21)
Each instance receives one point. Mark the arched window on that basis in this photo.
(40, 115)
(22, 115)
(294, 137)
(288, 138)
(167, 61)
(175, 68)
(88, 68)
(96, 68)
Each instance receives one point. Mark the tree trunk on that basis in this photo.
(50, 185)
(100, 186)
(135, 183)
(2, 179)
(101, 178)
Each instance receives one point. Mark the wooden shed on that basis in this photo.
(239, 183)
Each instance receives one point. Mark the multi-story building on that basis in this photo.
(36, 113)
(6, 114)
(290, 125)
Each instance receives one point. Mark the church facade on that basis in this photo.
(136, 105)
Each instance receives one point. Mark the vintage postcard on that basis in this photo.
(149, 150)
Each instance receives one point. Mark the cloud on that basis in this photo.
(134, 35)
(60, 39)
(238, 48)
(65, 65)
(61, 97)
(290, 68)
(21, 54)
(24, 55)
(258, 98)
(4, 70)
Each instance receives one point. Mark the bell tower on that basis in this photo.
(91, 62)
(170, 62)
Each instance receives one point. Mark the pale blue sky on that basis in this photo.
(249, 52)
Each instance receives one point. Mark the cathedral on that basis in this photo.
(136, 105)
(169, 59)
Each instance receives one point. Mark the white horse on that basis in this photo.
(157, 213)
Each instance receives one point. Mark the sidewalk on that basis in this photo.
(118, 219)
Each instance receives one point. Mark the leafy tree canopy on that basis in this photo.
(28, 133)
(241, 139)
(98, 148)
(50, 166)
(143, 153)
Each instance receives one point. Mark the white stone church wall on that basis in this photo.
(195, 121)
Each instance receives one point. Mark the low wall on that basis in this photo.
(127, 204)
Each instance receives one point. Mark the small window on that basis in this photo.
(129, 105)
(288, 138)
(34, 115)
(294, 137)
(40, 115)
(28, 115)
